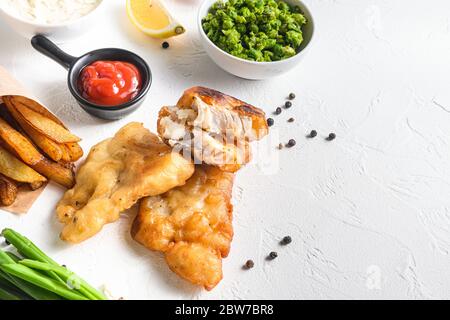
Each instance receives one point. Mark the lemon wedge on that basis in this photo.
(152, 18)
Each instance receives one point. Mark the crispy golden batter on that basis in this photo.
(119, 171)
(191, 224)
(212, 127)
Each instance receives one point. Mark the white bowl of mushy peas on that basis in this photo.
(255, 39)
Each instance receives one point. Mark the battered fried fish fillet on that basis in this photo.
(212, 127)
(119, 171)
(191, 224)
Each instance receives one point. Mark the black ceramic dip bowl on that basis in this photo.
(76, 64)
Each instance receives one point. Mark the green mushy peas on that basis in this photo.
(257, 30)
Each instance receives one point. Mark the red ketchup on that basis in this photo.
(109, 83)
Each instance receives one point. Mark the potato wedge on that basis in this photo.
(60, 174)
(15, 169)
(63, 175)
(6, 115)
(33, 105)
(51, 148)
(36, 185)
(46, 126)
(66, 157)
(74, 152)
(8, 191)
(19, 144)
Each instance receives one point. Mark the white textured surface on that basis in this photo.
(372, 205)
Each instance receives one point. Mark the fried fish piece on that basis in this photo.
(135, 163)
(191, 224)
(212, 127)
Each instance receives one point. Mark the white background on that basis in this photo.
(369, 213)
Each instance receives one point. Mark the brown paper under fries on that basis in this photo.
(10, 87)
(24, 201)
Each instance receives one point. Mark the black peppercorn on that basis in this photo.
(286, 240)
(287, 104)
(291, 120)
(270, 122)
(249, 264)
(165, 45)
(291, 143)
(313, 133)
(292, 96)
(278, 110)
(273, 255)
(331, 136)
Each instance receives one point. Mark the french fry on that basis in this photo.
(8, 191)
(36, 185)
(15, 169)
(19, 144)
(44, 125)
(47, 132)
(57, 172)
(6, 115)
(26, 151)
(74, 151)
(65, 154)
(51, 148)
(33, 105)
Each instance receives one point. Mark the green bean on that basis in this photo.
(66, 275)
(33, 291)
(38, 275)
(13, 256)
(30, 289)
(8, 287)
(29, 250)
(25, 246)
(34, 277)
(5, 258)
(8, 295)
(4, 282)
